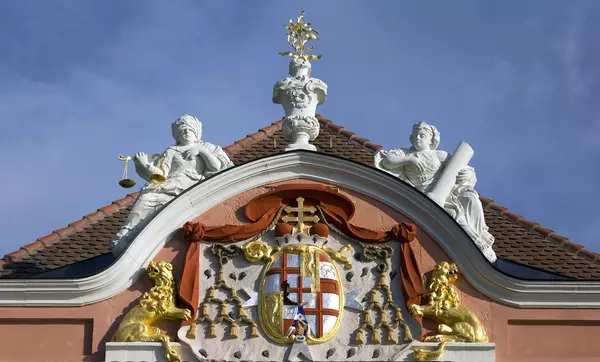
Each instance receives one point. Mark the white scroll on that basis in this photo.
(447, 179)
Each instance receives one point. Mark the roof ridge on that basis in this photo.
(348, 134)
(257, 136)
(71, 228)
(547, 234)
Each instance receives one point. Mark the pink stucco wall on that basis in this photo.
(79, 333)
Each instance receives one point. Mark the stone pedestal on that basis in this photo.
(300, 131)
(300, 94)
(455, 352)
(144, 351)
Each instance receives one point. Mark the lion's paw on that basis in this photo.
(436, 338)
(415, 311)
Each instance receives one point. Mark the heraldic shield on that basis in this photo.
(301, 282)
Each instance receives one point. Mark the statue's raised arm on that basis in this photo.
(180, 166)
(448, 180)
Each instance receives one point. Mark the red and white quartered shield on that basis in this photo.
(301, 279)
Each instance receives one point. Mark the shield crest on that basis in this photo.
(301, 279)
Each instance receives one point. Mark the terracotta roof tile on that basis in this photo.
(517, 239)
(65, 231)
(48, 239)
(110, 209)
(588, 254)
(258, 135)
(16, 255)
(31, 247)
(79, 224)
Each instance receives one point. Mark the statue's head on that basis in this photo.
(300, 67)
(186, 130)
(424, 136)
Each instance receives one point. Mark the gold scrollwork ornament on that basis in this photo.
(255, 251)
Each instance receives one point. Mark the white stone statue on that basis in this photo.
(189, 161)
(299, 95)
(423, 166)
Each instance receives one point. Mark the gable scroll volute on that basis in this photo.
(300, 275)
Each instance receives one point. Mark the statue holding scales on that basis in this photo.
(189, 161)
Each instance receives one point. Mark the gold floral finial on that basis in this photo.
(299, 35)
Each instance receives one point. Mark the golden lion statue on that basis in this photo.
(456, 322)
(156, 304)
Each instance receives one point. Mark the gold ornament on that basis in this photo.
(254, 331)
(258, 250)
(376, 339)
(301, 227)
(212, 329)
(359, 336)
(391, 335)
(233, 333)
(191, 334)
(299, 35)
(155, 305)
(337, 255)
(457, 323)
(157, 178)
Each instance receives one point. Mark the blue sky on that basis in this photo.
(82, 81)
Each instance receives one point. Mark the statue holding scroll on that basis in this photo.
(447, 180)
(181, 166)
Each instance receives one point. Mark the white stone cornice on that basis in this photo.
(370, 182)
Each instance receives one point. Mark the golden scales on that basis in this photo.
(155, 178)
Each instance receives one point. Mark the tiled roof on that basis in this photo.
(80, 240)
(332, 139)
(517, 239)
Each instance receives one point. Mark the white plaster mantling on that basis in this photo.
(385, 188)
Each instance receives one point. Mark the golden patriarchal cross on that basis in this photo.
(300, 219)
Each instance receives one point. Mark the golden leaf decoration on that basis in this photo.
(299, 35)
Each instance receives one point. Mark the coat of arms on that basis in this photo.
(300, 279)
(290, 282)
